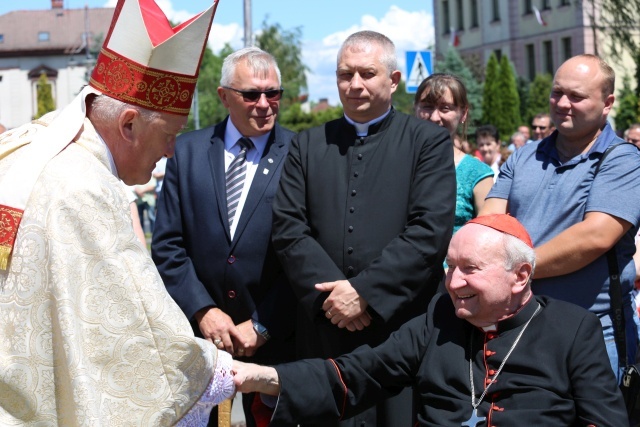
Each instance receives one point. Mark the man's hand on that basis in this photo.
(249, 377)
(216, 326)
(359, 323)
(251, 340)
(344, 306)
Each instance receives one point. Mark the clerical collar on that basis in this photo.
(362, 129)
(516, 319)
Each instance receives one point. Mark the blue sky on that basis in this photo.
(324, 24)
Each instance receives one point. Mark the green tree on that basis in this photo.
(510, 100)
(539, 92)
(627, 111)
(618, 20)
(44, 96)
(297, 120)
(210, 107)
(523, 92)
(286, 47)
(492, 94)
(403, 101)
(454, 64)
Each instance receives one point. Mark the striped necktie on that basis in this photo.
(235, 177)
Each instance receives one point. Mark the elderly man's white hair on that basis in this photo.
(517, 252)
(106, 110)
(259, 61)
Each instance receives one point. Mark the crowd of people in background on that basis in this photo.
(333, 244)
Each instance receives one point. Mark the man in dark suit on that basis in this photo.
(212, 239)
(363, 216)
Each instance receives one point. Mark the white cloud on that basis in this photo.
(219, 35)
(408, 31)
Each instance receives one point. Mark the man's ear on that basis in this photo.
(127, 122)
(523, 274)
(395, 80)
(222, 94)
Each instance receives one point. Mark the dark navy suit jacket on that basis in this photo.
(200, 265)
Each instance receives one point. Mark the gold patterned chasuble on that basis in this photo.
(88, 334)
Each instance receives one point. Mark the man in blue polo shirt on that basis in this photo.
(573, 216)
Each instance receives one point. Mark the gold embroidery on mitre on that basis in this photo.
(150, 88)
(9, 222)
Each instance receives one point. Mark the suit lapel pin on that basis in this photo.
(270, 160)
(265, 171)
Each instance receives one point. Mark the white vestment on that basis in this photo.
(88, 334)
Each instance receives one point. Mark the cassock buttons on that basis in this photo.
(353, 192)
(356, 174)
(350, 229)
(352, 209)
(359, 156)
(231, 259)
(350, 269)
(349, 250)
(232, 294)
(491, 372)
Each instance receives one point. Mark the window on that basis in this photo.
(548, 57)
(546, 5)
(474, 13)
(566, 48)
(1, 38)
(460, 13)
(43, 36)
(564, 3)
(446, 18)
(528, 7)
(496, 10)
(531, 62)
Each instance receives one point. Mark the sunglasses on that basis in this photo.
(538, 127)
(254, 95)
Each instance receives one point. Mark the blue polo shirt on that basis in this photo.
(548, 197)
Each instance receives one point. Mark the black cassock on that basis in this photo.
(558, 374)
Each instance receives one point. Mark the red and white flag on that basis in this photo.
(539, 17)
(455, 38)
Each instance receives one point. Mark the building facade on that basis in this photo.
(536, 35)
(57, 42)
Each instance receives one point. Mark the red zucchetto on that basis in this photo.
(504, 223)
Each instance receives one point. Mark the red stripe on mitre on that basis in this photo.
(344, 387)
(150, 88)
(158, 26)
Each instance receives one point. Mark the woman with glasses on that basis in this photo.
(442, 99)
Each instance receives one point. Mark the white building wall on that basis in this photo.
(18, 94)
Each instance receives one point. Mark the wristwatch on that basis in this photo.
(261, 330)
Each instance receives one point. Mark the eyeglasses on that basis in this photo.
(254, 95)
(539, 127)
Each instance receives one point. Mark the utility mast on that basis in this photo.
(248, 35)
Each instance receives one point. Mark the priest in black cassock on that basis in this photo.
(487, 353)
(363, 216)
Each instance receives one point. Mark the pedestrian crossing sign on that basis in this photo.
(419, 67)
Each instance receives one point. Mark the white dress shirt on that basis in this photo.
(231, 150)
